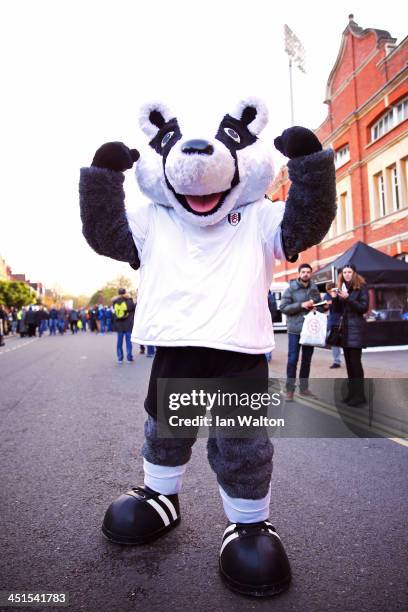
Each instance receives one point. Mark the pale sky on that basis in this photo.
(75, 73)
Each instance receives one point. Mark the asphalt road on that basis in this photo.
(71, 430)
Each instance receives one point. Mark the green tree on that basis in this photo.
(109, 291)
(78, 301)
(15, 293)
(103, 296)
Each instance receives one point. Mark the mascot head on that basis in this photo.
(205, 174)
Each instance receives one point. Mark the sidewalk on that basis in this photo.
(385, 415)
(385, 364)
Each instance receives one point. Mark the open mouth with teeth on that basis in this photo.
(204, 204)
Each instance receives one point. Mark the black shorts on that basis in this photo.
(200, 362)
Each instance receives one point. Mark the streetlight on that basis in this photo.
(296, 53)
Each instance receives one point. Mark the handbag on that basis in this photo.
(314, 329)
(335, 334)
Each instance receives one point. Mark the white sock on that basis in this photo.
(162, 478)
(240, 510)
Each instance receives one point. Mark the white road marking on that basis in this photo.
(321, 406)
(18, 347)
(401, 441)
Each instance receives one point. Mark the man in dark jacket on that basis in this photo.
(123, 314)
(62, 319)
(298, 299)
(93, 316)
(3, 319)
(53, 320)
(42, 316)
(73, 320)
(31, 320)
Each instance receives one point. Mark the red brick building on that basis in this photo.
(366, 125)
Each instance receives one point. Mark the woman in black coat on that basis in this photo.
(350, 301)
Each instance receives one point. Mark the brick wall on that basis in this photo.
(369, 76)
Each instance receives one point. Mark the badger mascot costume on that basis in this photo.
(206, 245)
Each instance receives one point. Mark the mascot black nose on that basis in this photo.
(197, 146)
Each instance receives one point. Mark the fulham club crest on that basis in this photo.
(234, 218)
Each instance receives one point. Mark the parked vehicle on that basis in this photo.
(279, 319)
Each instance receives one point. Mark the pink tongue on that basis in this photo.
(203, 203)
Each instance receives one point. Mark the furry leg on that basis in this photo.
(168, 452)
(243, 466)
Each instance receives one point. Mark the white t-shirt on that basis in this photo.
(206, 286)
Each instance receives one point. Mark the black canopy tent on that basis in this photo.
(377, 268)
(386, 278)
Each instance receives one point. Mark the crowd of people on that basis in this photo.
(346, 303)
(34, 321)
(38, 320)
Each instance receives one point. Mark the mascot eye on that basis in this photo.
(232, 134)
(166, 138)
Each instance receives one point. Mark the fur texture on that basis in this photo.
(145, 122)
(165, 451)
(104, 221)
(261, 118)
(243, 466)
(311, 202)
(243, 174)
(207, 174)
(200, 174)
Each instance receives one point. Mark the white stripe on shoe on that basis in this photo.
(271, 529)
(159, 510)
(227, 540)
(229, 528)
(169, 505)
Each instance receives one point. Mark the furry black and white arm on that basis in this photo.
(311, 203)
(104, 222)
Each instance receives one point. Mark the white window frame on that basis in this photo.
(395, 155)
(342, 225)
(389, 119)
(402, 110)
(341, 156)
(395, 187)
(382, 205)
(404, 178)
(342, 214)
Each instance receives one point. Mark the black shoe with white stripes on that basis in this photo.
(140, 516)
(253, 560)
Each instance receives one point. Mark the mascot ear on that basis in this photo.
(253, 113)
(153, 116)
